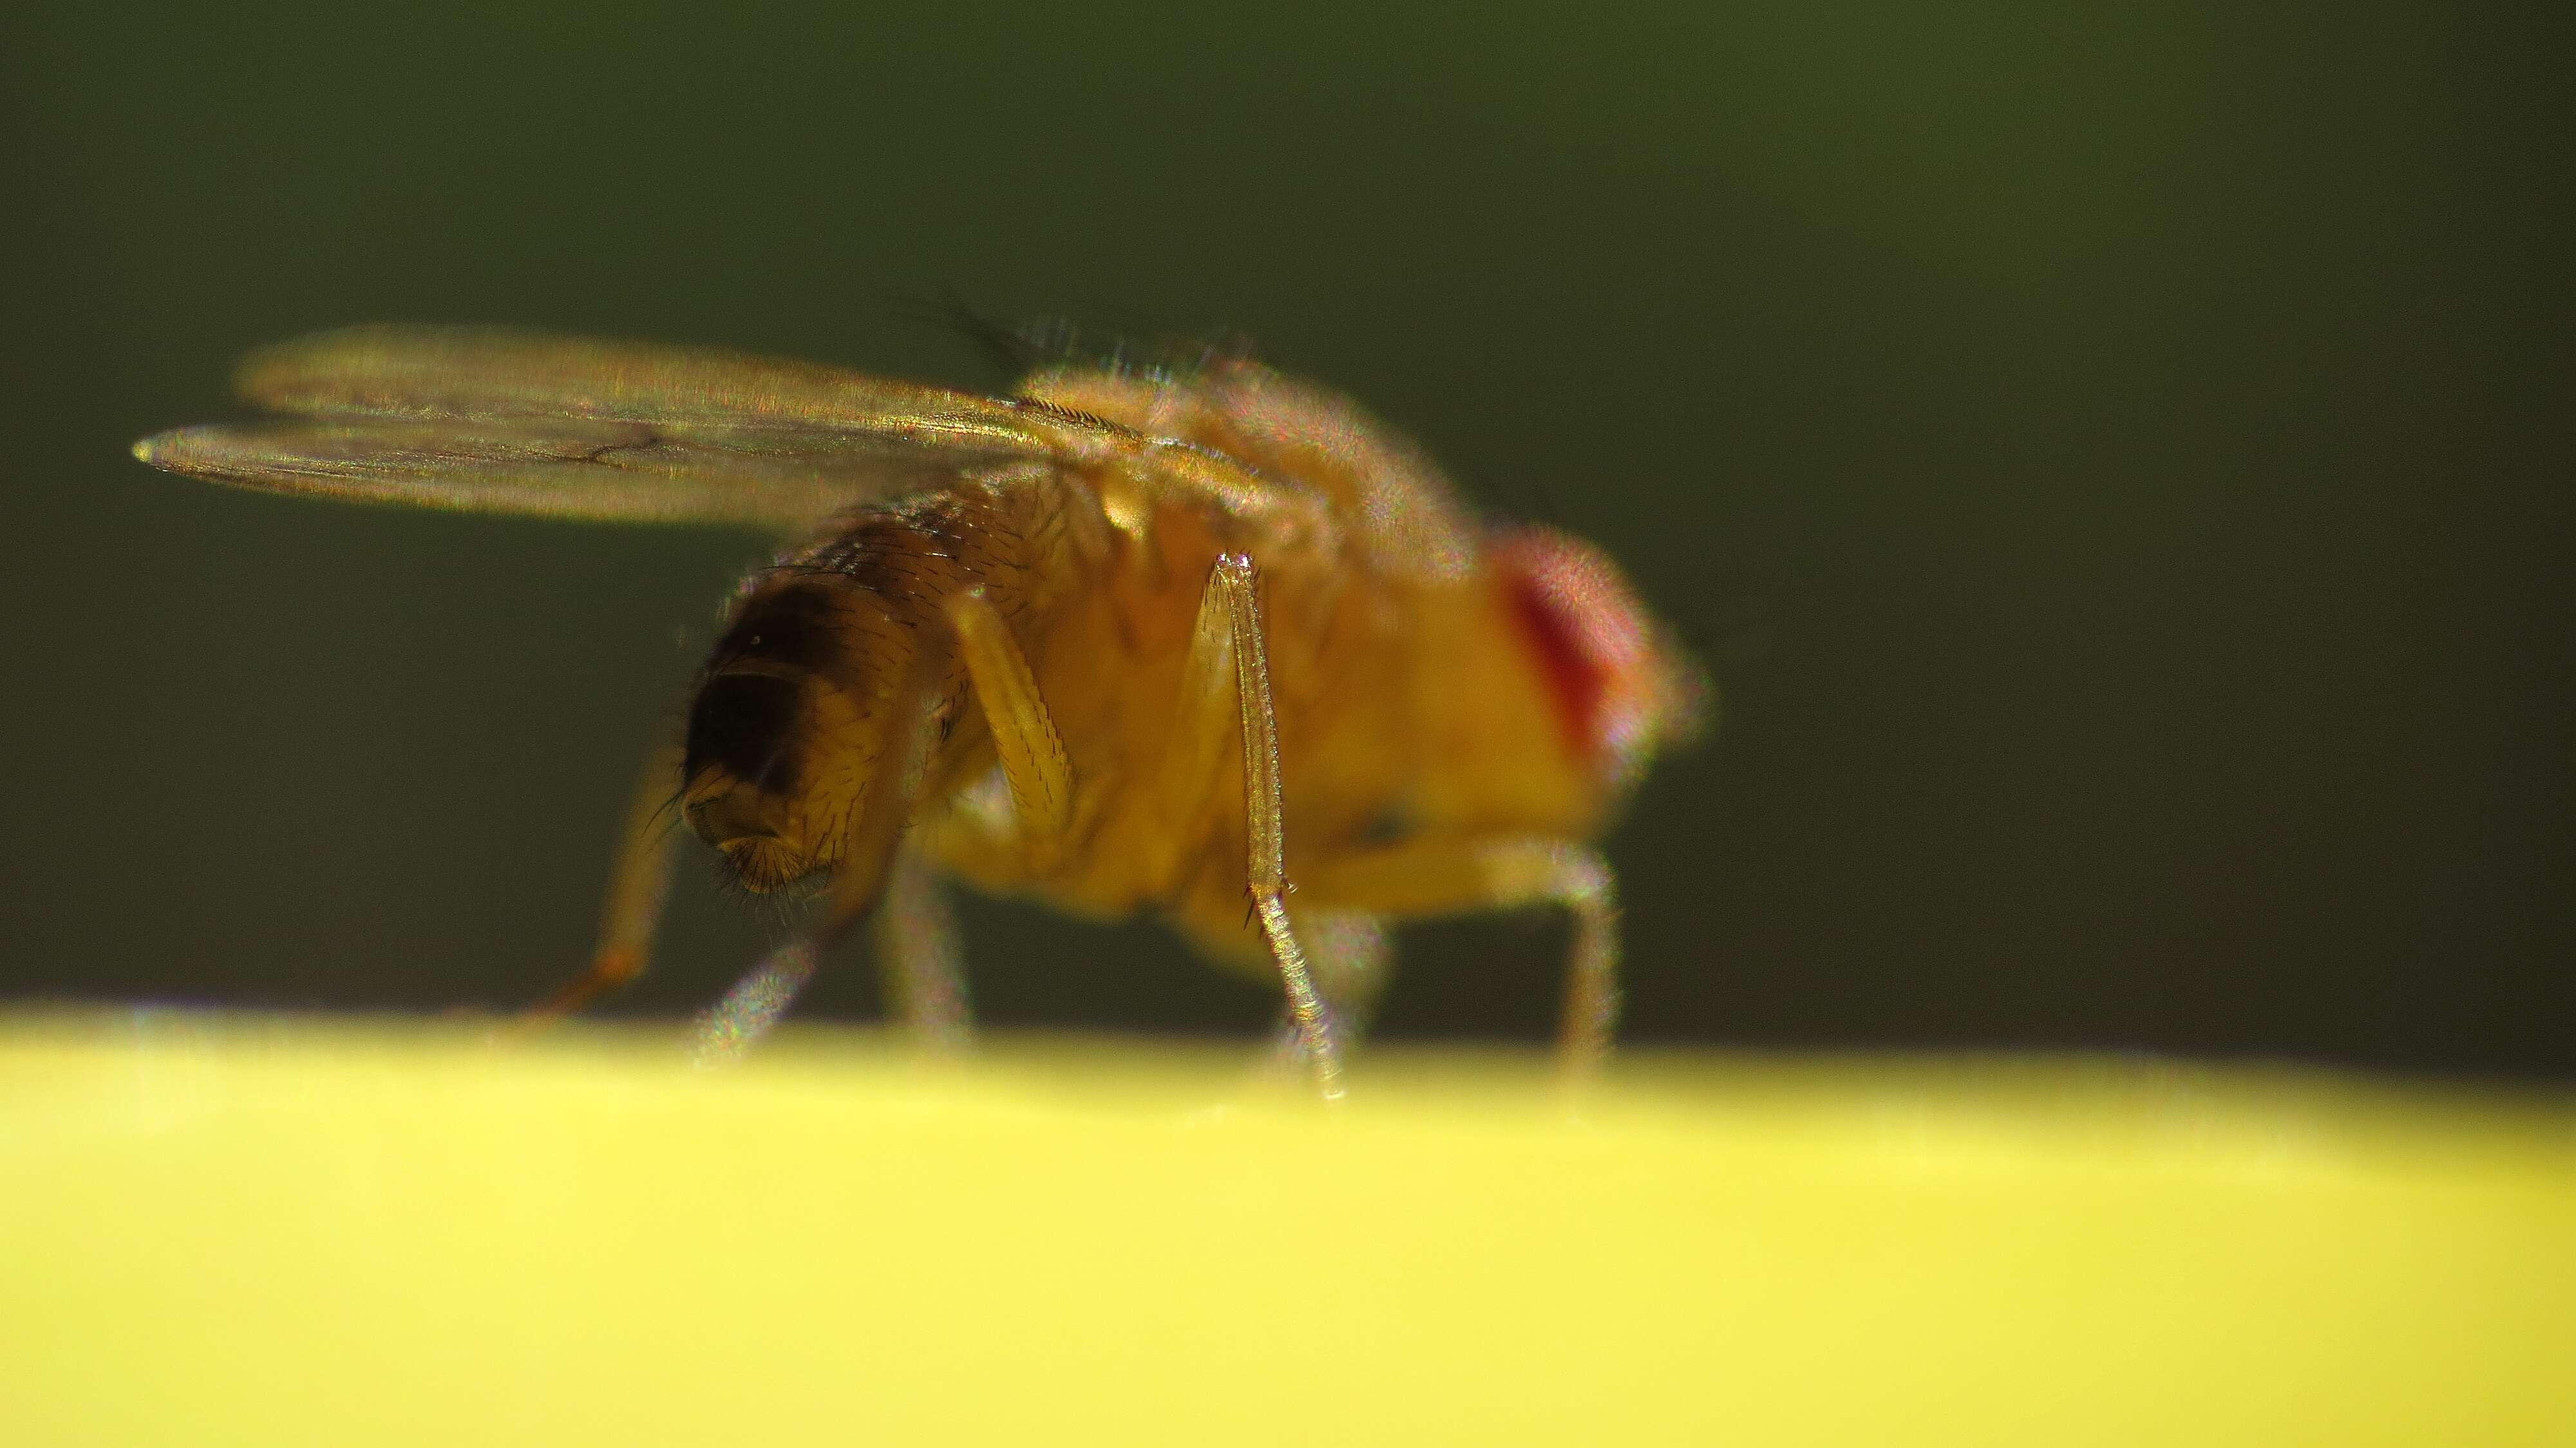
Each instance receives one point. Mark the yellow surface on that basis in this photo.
(244, 1231)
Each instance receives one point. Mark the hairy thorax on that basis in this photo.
(1411, 703)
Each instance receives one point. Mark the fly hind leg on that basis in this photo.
(916, 938)
(917, 955)
(638, 883)
(871, 856)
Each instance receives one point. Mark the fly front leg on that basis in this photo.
(639, 880)
(1448, 877)
(1229, 665)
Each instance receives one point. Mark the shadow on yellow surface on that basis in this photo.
(224, 1229)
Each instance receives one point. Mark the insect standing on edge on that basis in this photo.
(1125, 641)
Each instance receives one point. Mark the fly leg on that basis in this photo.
(916, 939)
(917, 955)
(1034, 763)
(1446, 877)
(870, 855)
(1348, 955)
(916, 932)
(638, 882)
(1229, 665)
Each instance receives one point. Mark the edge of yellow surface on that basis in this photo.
(229, 1228)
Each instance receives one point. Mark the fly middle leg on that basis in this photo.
(1225, 689)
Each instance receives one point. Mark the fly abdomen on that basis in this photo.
(745, 723)
(761, 725)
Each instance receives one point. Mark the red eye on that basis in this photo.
(1592, 641)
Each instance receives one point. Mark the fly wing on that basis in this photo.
(485, 420)
(565, 467)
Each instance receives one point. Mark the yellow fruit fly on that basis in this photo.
(1180, 641)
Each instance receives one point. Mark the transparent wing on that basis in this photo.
(485, 420)
(577, 468)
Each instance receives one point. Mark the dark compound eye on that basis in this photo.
(745, 724)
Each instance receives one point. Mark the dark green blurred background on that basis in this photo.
(2115, 466)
